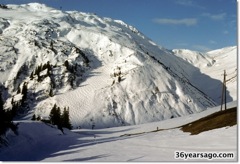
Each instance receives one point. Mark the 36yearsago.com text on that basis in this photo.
(203, 155)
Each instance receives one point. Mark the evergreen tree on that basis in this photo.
(51, 92)
(24, 93)
(38, 118)
(31, 76)
(1, 102)
(49, 68)
(66, 64)
(38, 70)
(61, 120)
(51, 45)
(33, 117)
(24, 90)
(65, 119)
(3, 126)
(5, 120)
(55, 115)
(119, 79)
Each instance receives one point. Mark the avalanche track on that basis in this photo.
(84, 97)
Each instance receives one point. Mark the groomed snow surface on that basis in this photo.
(40, 142)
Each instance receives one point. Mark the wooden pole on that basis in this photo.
(222, 94)
(225, 89)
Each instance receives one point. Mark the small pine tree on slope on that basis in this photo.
(55, 115)
(65, 119)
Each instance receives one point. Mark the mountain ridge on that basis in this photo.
(105, 71)
(213, 64)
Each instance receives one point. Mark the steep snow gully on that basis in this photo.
(106, 72)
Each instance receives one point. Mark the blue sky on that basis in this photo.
(200, 25)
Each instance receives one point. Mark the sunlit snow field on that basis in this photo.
(40, 142)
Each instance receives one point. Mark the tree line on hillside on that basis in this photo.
(61, 120)
(6, 119)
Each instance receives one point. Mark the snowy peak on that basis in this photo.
(197, 59)
(222, 50)
(213, 64)
(201, 60)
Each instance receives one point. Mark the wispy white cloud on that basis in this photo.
(233, 23)
(215, 17)
(226, 32)
(212, 42)
(186, 21)
(185, 2)
(188, 3)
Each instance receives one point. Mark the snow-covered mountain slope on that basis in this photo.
(225, 59)
(197, 59)
(105, 71)
(40, 142)
(213, 64)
